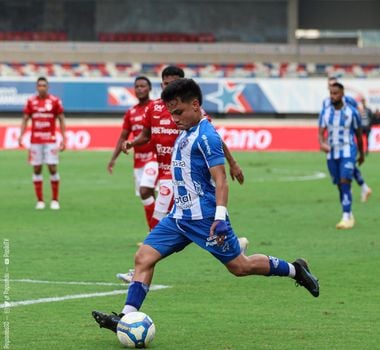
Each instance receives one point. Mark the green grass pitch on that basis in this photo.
(94, 236)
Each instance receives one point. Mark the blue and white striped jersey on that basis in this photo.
(195, 151)
(341, 125)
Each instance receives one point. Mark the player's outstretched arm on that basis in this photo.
(123, 137)
(235, 170)
(24, 124)
(140, 140)
(359, 140)
(62, 125)
(325, 147)
(219, 227)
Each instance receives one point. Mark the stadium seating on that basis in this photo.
(157, 37)
(33, 36)
(252, 70)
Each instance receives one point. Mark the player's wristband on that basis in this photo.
(220, 212)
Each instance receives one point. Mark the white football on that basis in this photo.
(136, 330)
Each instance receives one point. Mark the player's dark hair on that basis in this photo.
(42, 79)
(185, 89)
(338, 85)
(142, 77)
(170, 71)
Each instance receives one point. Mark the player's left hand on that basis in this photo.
(219, 229)
(361, 159)
(62, 146)
(236, 173)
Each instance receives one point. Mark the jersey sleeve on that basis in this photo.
(322, 120)
(210, 145)
(351, 101)
(356, 119)
(126, 122)
(28, 107)
(58, 106)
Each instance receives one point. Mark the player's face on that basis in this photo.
(336, 95)
(169, 79)
(184, 114)
(142, 89)
(42, 87)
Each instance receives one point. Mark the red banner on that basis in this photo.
(237, 138)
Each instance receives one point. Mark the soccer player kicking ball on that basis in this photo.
(43, 109)
(199, 214)
(145, 166)
(342, 122)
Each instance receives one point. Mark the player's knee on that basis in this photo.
(52, 169)
(238, 269)
(144, 259)
(146, 192)
(37, 170)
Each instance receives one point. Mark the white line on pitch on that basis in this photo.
(79, 283)
(70, 297)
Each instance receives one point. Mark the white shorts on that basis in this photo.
(146, 176)
(44, 153)
(164, 200)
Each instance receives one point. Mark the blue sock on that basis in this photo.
(340, 194)
(358, 176)
(136, 294)
(278, 267)
(346, 197)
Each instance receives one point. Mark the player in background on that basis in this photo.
(145, 168)
(367, 117)
(43, 109)
(200, 212)
(342, 122)
(365, 189)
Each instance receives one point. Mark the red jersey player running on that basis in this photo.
(145, 160)
(43, 109)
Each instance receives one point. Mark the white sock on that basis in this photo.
(147, 201)
(159, 215)
(364, 187)
(346, 216)
(128, 309)
(292, 270)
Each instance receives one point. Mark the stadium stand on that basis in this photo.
(248, 70)
(33, 36)
(157, 37)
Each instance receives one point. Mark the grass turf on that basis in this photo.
(94, 236)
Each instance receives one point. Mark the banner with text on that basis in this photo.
(219, 95)
(238, 138)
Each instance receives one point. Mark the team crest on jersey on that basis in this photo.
(48, 106)
(198, 189)
(158, 108)
(183, 143)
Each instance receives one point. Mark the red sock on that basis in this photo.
(54, 181)
(149, 209)
(153, 222)
(38, 190)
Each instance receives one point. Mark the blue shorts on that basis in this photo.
(342, 168)
(172, 235)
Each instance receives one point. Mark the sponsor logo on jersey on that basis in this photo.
(162, 150)
(184, 202)
(158, 108)
(164, 131)
(205, 141)
(165, 122)
(178, 163)
(150, 171)
(42, 124)
(165, 191)
(179, 183)
(349, 165)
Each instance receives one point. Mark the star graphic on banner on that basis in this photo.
(227, 97)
